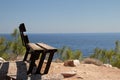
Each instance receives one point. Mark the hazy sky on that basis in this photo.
(60, 16)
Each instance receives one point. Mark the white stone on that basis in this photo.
(108, 65)
(76, 62)
(1, 59)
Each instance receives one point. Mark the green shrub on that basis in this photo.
(13, 47)
(108, 56)
(67, 53)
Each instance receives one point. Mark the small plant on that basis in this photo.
(11, 49)
(111, 56)
(92, 61)
(67, 53)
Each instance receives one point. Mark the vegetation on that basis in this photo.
(103, 55)
(67, 53)
(108, 56)
(3, 48)
(10, 49)
(16, 44)
(99, 56)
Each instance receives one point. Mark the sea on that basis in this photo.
(85, 42)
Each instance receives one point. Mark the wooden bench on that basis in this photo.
(37, 51)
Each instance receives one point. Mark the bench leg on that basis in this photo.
(49, 63)
(32, 64)
(41, 63)
(26, 54)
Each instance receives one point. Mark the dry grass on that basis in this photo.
(92, 61)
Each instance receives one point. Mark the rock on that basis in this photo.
(79, 77)
(115, 68)
(68, 74)
(107, 65)
(69, 63)
(52, 77)
(72, 63)
(76, 62)
(1, 60)
(92, 61)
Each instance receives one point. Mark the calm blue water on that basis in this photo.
(86, 42)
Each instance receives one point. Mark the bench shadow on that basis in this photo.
(4, 70)
(22, 72)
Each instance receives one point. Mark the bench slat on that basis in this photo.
(46, 46)
(33, 46)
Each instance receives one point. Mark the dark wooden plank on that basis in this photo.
(45, 46)
(22, 27)
(35, 47)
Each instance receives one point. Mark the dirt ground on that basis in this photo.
(87, 72)
(83, 71)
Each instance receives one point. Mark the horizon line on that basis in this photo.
(71, 33)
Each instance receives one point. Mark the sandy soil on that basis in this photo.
(87, 72)
(83, 71)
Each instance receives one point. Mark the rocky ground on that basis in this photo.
(60, 71)
(87, 72)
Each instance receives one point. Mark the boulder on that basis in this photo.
(52, 77)
(72, 63)
(68, 74)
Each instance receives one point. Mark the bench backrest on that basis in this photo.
(24, 37)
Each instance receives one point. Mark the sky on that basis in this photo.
(60, 16)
